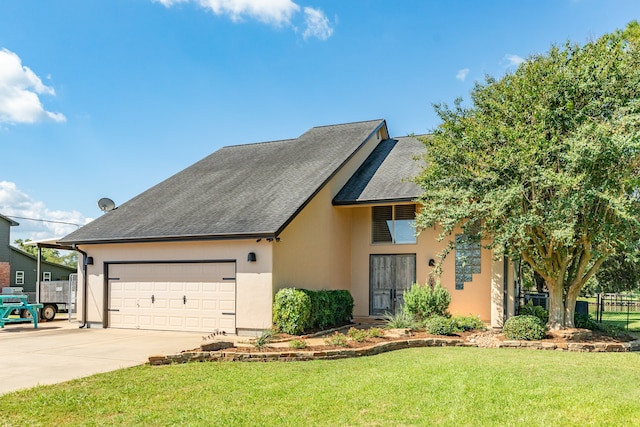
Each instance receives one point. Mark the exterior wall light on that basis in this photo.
(251, 257)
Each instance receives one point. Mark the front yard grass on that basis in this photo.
(623, 320)
(424, 386)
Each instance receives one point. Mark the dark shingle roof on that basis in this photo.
(385, 175)
(245, 190)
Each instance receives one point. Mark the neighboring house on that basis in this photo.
(19, 268)
(208, 248)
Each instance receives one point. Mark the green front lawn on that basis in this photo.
(424, 386)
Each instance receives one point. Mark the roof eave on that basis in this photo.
(179, 238)
(393, 200)
(383, 123)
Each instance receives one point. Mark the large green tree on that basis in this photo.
(620, 272)
(546, 160)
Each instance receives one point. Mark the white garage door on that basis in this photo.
(173, 296)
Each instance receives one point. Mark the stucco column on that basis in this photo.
(497, 293)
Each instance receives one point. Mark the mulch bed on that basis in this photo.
(481, 338)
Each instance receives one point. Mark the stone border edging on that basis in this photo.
(290, 355)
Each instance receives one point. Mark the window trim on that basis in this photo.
(46, 276)
(20, 277)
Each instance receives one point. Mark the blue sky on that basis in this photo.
(106, 98)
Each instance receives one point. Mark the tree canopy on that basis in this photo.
(546, 160)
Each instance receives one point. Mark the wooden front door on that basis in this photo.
(389, 277)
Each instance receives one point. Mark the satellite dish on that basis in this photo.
(105, 204)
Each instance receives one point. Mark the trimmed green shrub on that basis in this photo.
(329, 308)
(534, 310)
(321, 309)
(342, 304)
(291, 311)
(423, 302)
(525, 327)
(441, 325)
(469, 323)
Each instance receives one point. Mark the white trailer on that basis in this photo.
(55, 296)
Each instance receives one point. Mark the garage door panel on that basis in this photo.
(206, 286)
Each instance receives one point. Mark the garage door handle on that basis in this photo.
(228, 314)
(184, 299)
(113, 309)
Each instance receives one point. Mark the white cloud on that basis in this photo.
(16, 203)
(317, 24)
(19, 92)
(462, 74)
(513, 60)
(273, 12)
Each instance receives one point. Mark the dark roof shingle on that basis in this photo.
(386, 174)
(245, 190)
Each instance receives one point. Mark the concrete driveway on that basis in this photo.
(60, 351)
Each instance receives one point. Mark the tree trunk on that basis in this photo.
(556, 307)
(570, 307)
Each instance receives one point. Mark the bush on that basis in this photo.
(264, 338)
(298, 343)
(376, 333)
(441, 325)
(534, 310)
(358, 335)
(291, 311)
(342, 306)
(524, 327)
(298, 310)
(585, 321)
(469, 323)
(337, 339)
(400, 320)
(329, 308)
(423, 302)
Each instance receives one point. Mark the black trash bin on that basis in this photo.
(582, 307)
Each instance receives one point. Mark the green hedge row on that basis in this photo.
(298, 310)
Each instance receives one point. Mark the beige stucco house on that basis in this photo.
(208, 248)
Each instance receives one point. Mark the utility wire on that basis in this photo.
(44, 220)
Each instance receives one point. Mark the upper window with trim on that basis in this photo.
(19, 277)
(46, 276)
(394, 224)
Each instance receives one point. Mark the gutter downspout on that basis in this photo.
(84, 286)
(38, 273)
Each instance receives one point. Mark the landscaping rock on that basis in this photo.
(216, 345)
(397, 333)
(574, 334)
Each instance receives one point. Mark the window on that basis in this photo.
(393, 224)
(46, 276)
(467, 258)
(19, 277)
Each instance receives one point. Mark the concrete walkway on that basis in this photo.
(60, 351)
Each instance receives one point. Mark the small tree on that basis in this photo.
(547, 161)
